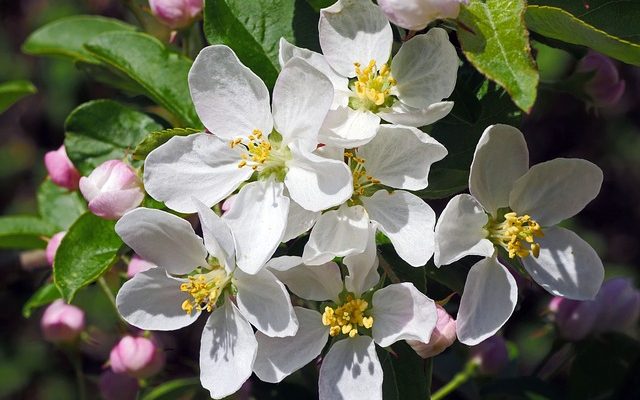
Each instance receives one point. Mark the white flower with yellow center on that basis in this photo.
(356, 40)
(251, 140)
(515, 208)
(355, 317)
(397, 157)
(193, 277)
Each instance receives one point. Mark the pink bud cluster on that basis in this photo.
(138, 357)
(443, 336)
(415, 15)
(61, 169)
(176, 14)
(62, 322)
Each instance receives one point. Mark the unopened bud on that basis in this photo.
(619, 305)
(136, 356)
(138, 264)
(52, 246)
(443, 336)
(112, 189)
(115, 386)
(228, 203)
(605, 88)
(62, 322)
(61, 170)
(574, 319)
(415, 15)
(491, 356)
(176, 14)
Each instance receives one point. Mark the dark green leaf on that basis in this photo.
(88, 249)
(111, 77)
(43, 296)
(173, 389)
(25, 232)
(66, 37)
(11, 92)
(452, 276)
(151, 64)
(320, 4)
(104, 130)
(157, 139)
(59, 206)
(403, 271)
(495, 40)
(525, 388)
(404, 373)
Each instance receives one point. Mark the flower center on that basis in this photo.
(361, 180)
(267, 156)
(372, 87)
(347, 318)
(205, 289)
(516, 235)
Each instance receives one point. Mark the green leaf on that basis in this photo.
(66, 37)
(24, 232)
(88, 249)
(12, 91)
(405, 375)
(174, 389)
(403, 271)
(103, 130)
(43, 296)
(59, 206)
(556, 23)
(160, 71)
(495, 40)
(157, 139)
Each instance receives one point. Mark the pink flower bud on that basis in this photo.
(52, 246)
(138, 264)
(575, 319)
(112, 189)
(136, 356)
(118, 386)
(176, 14)
(62, 322)
(491, 356)
(61, 170)
(619, 305)
(415, 15)
(442, 336)
(228, 203)
(605, 88)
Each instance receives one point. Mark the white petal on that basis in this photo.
(301, 99)
(201, 166)
(354, 31)
(567, 265)
(257, 219)
(363, 267)
(218, 238)
(299, 221)
(227, 351)
(317, 183)
(501, 157)
(407, 221)
(489, 298)
(230, 99)
(317, 282)
(425, 68)
(346, 127)
(402, 312)
(283, 263)
(401, 157)
(403, 114)
(460, 231)
(152, 300)
(163, 239)
(265, 303)
(280, 357)
(337, 233)
(351, 370)
(555, 190)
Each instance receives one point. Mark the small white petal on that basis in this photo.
(265, 303)
(354, 31)
(501, 157)
(317, 282)
(460, 231)
(257, 219)
(555, 190)
(567, 265)
(280, 357)
(152, 300)
(425, 68)
(230, 99)
(201, 166)
(403, 114)
(489, 298)
(301, 99)
(163, 239)
(363, 267)
(217, 235)
(407, 221)
(337, 233)
(401, 157)
(346, 127)
(283, 263)
(299, 220)
(402, 312)
(351, 370)
(227, 351)
(317, 183)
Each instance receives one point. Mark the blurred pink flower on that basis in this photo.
(176, 14)
(62, 322)
(605, 88)
(574, 319)
(443, 336)
(115, 386)
(415, 15)
(491, 355)
(619, 305)
(136, 356)
(138, 264)
(52, 246)
(61, 170)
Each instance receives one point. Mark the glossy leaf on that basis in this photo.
(12, 91)
(43, 296)
(173, 389)
(59, 206)
(157, 139)
(405, 375)
(25, 232)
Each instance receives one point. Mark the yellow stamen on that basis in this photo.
(373, 86)
(361, 180)
(517, 235)
(347, 318)
(204, 289)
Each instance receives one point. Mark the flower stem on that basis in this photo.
(76, 361)
(107, 292)
(458, 380)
